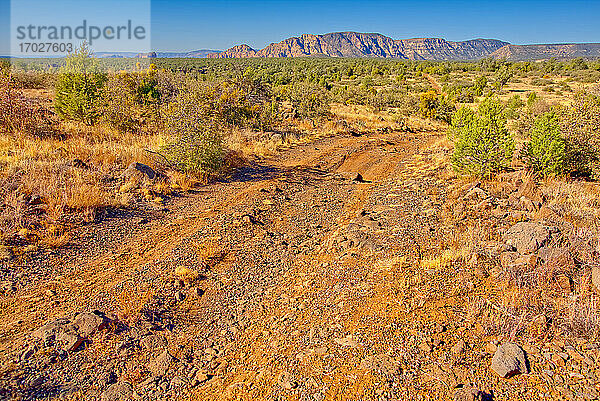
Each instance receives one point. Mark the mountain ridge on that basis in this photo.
(547, 51)
(356, 44)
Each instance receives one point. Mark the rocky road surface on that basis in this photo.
(300, 277)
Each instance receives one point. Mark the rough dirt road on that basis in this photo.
(310, 288)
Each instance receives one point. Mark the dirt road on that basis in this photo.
(310, 287)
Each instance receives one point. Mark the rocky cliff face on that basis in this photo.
(542, 52)
(353, 44)
(239, 51)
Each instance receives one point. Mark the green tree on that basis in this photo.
(482, 143)
(545, 153)
(502, 77)
(480, 84)
(78, 87)
(438, 107)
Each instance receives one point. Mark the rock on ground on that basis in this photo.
(118, 392)
(509, 360)
(527, 237)
(470, 393)
(161, 364)
(139, 170)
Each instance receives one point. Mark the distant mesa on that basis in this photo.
(191, 54)
(146, 55)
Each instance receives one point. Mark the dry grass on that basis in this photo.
(130, 304)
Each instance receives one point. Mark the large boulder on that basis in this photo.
(509, 360)
(527, 237)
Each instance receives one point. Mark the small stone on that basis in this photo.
(490, 348)
(284, 381)
(459, 347)
(509, 360)
(88, 323)
(475, 194)
(558, 360)
(197, 291)
(470, 393)
(68, 341)
(381, 363)
(161, 364)
(527, 237)
(139, 170)
(118, 392)
(347, 341)
(425, 346)
(357, 177)
(511, 260)
(154, 343)
(201, 377)
(186, 274)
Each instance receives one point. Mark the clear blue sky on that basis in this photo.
(180, 25)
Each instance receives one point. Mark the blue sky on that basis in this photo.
(179, 25)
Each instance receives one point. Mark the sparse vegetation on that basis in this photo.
(545, 153)
(414, 247)
(78, 87)
(483, 143)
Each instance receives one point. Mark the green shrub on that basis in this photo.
(480, 85)
(308, 100)
(545, 153)
(195, 128)
(580, 125)
(513, 106)
(482, 143)
(131, 100)
(438, 107)
(78, 87)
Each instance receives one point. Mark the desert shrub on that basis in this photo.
(118, 106)
(130, 101)
(460, 119)
(502, 77)
(438, 107)
(513, 106)
(19, 114)
(78, 87)
(194, 124)
(465, 95)
(545, 153)
(308, 100)
(480, 85)
(34, 79)
(482, 143)
(580, 125)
